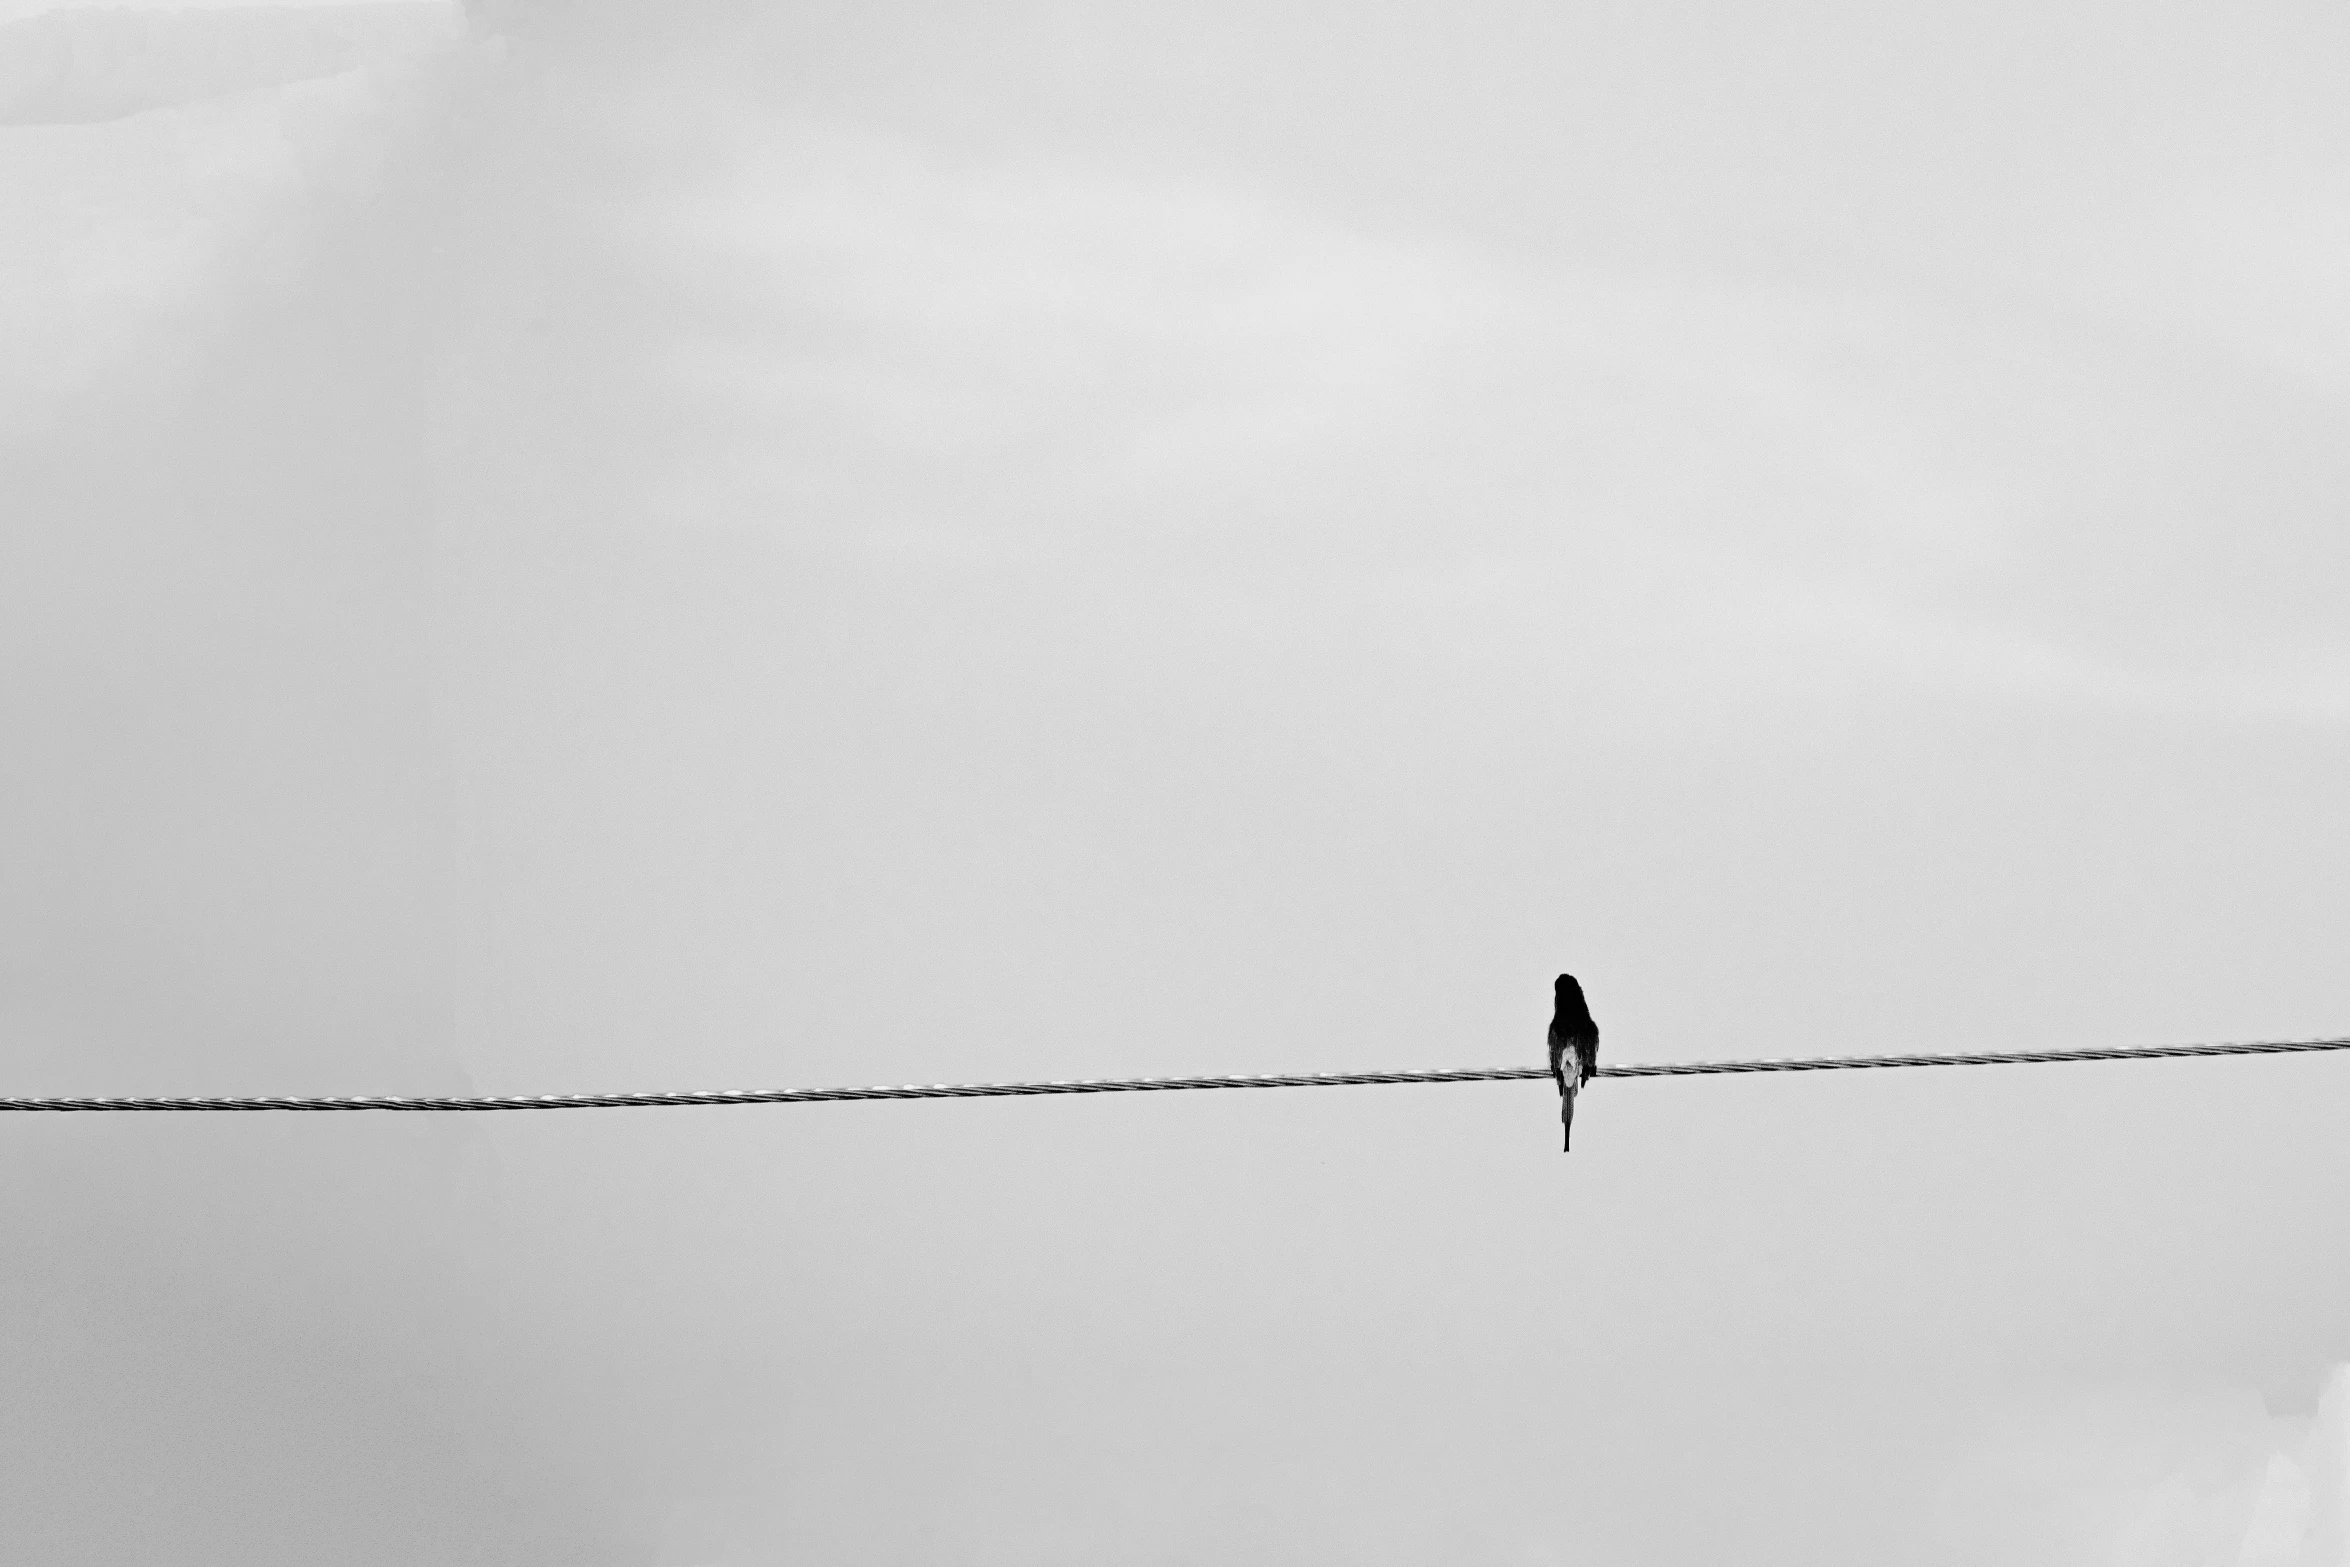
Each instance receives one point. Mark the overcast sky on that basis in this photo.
(703, 546)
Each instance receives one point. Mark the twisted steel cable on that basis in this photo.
(1147, 1085)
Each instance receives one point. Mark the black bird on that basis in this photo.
(1571, 1028)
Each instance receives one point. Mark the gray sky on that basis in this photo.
(751, 546)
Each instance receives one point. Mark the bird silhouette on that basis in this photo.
(1571, 1029)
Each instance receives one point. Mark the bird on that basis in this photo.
(1571, 1028)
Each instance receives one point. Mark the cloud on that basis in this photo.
(2152, 1477)
(76, 66)
(1310, 422)
(199, 183)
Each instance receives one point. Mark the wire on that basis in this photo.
(2261, 1047)
(1148, 1085)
